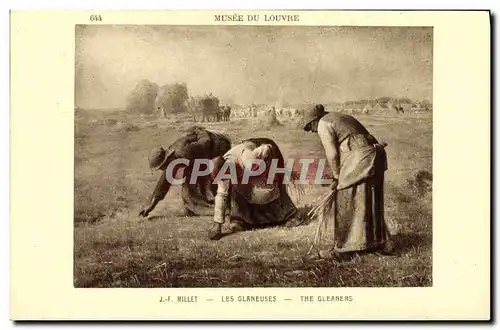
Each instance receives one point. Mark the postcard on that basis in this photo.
(250, 165)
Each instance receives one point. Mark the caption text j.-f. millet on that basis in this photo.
(257, 18)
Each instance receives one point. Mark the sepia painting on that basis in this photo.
(253, 156)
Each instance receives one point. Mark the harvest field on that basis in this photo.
(113, 247)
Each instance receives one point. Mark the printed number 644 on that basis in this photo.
(95, 18)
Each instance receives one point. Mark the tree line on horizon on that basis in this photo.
(147, 97)
(387, 99)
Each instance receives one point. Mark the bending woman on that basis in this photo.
(256, 203)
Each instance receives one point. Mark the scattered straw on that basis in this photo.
(325, 205)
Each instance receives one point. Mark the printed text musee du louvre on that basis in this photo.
(257, 18)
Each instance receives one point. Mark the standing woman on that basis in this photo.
(358, 162)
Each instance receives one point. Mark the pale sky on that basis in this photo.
(254, 64)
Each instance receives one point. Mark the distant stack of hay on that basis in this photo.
(367, 109)
(384, 108)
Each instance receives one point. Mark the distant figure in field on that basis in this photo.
(162, 112)
(358, 162)
(256, 203)
(197, 143)
(254, 111)
(272, 120)
(226, 113)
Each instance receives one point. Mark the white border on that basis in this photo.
(145, 4)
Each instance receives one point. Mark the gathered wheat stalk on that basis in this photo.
(326, 204)
(297, 189)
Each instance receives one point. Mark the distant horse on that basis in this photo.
(207, 107)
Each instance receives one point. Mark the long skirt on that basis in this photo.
(199, 197)
(273, 213)
(359, 223)
(360, 217)
(253, 215)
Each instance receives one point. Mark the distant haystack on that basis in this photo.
(142, 98)
(384, 107)
(367, 109)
